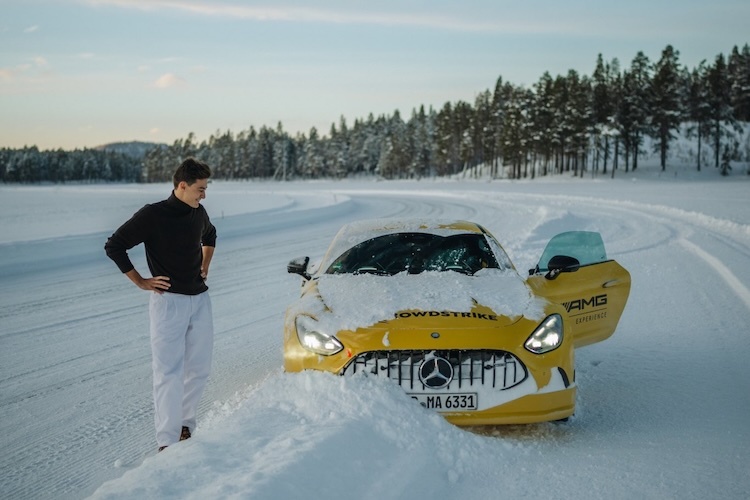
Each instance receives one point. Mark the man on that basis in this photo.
(179, 240)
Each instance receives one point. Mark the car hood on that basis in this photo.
(350, 302)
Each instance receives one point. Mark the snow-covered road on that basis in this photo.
(663, 405)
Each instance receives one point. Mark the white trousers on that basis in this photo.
(182, 337)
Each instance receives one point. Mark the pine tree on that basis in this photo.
(580, 119)
(482, 131)
(560, 130)
(423, 134)
(738, 69)
(638, 94)
(666, 100)
(603, 109)
(698, 110)
(719, 100)
(514, 136)
(499, 97)
(542, 119)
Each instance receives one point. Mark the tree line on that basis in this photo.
(568, 123)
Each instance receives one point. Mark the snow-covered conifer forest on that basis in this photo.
(574, 123)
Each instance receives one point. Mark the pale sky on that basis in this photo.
(81, 73)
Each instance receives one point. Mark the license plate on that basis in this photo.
(448, 402)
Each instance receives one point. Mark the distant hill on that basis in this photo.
(135, 149)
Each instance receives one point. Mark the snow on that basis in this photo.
(662, 407)
(501, 291)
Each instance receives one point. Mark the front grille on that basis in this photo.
(498, 370)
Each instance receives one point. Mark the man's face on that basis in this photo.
(192, 194)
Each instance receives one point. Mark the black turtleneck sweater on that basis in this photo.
(173, 233)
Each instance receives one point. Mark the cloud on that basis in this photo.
(579, 18)
(397, 17)
(168, 80)
(31, 29)
(12, 74)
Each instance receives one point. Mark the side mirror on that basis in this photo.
(561, 264)
(299, 266)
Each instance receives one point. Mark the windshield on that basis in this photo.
(416, 252)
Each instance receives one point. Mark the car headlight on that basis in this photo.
(311, 338)
(547, 337)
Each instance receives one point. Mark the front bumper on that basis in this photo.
(496, 385)
(529, 409)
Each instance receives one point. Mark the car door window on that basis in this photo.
(586, 246)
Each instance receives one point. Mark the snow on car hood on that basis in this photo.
(358, 301)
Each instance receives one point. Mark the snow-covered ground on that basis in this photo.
(663, 408)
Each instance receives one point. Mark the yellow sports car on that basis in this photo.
(438, 308)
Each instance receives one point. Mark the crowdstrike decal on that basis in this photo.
(445, 314)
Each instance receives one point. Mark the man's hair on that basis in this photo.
(190, 171)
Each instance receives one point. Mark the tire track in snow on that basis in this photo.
(679, 224)
(726, 274)
(684, 224)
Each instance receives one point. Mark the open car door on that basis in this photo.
(574, 272)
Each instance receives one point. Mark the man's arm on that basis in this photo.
(126, 237)
(208, 254)
(158, 284)
(130, 234)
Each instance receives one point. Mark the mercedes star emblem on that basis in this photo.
(436, 372)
